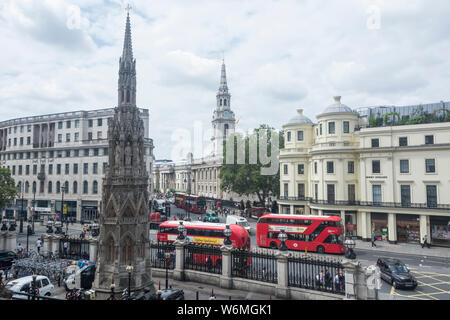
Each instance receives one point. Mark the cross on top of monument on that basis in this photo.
(128, 8)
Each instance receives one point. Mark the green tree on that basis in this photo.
(8, 189)
(246, 179)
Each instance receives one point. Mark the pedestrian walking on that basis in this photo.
(374, 238)
(38, 245)
(320, 279)
(19, 249)
(65, 247)
(425, 242)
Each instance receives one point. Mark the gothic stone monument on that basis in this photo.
(124, 219)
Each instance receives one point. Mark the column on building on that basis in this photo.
(425, 227)
(392, 228)
(366, 230)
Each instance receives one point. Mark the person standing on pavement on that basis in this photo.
(38, 245)
(374, 238)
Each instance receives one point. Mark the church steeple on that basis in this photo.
(127, 71)
(223, 97)
(223, 122)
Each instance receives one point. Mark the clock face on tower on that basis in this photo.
(225, 113)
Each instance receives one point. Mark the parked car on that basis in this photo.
(169, 294)
(7, 258)
(22, 285)
(240, 221)
(396, 273)
(211, 216)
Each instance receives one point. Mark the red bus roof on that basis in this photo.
(300, 217)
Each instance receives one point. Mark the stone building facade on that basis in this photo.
(65, 149)
(391, 180)
(200, 176)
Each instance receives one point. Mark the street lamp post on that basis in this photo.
(181, 228)
(282, 237)
(129, 270)
(350, 244)
(167, 257)
(63, 189)
(21, 210)
(227, 232)
(32, 218)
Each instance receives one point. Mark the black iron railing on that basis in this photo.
(158, 257)
(316, 274)
(203, 258)
(77, 248)
(259, 264)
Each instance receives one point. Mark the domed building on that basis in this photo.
(367, 172)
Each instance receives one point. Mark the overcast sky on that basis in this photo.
(280, 56)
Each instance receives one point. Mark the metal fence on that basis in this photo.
(158, 257)
(259, 264)
(77, 248)
(203, 258)
(316, 274)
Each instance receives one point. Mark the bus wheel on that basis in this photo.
(273, 245)
(320, 249)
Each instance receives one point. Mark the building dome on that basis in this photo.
(337, 107)
(299, 119)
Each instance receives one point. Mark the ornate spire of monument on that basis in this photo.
(124, 219)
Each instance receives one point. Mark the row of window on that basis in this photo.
(402, 141)
(58, 169)
(405, 191)
(430, 167)
(60, 125)
(59, 154)
(58, 187)
(332, 127)
(299, 136)
(60, 138)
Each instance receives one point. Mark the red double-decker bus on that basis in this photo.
(322, 234)
(180, 198)
(205, 233)
(195, 204)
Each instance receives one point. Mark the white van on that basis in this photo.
(240, 221)
(22, 285)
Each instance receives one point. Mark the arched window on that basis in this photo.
(58, 187)
(34, 186)
(66, 187)
(27, 187)
(109, 250)
(95, 187)
(85, 187)
(50, 187)
(75, 187)
(225, 102)
(126, 250)
(128, 95)
(220, 104)
(225, 130)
